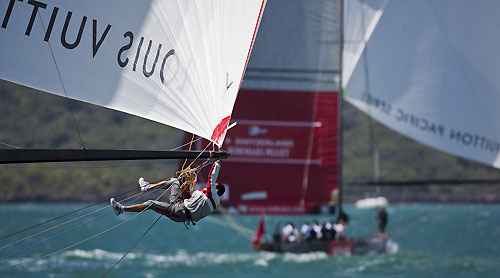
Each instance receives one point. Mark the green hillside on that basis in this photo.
(31, 119)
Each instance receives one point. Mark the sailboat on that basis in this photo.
(428, 71)
(179, 63)
(417, 67)
(175, 62)
(284, 146)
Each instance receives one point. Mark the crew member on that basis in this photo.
(182, 206)
(382, 222)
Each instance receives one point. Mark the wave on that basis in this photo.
(83, 258)
(305, 258)
(96, 254)
(180, 257)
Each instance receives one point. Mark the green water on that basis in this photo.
(429, 241)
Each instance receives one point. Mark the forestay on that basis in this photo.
(177, 62)
(429, 70)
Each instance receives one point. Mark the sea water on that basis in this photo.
(438, 240)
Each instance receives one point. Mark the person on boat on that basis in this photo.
(316, 230)
(327, 230)
(182, 206)
(339, 228)
(305, 231)
(341, 225)
(277, 235)
(382, 223)
(290, 233)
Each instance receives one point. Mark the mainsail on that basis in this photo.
(176, 62)
(429, 70)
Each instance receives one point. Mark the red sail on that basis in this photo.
(284, 152)
(260, 231)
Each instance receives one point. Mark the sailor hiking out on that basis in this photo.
(182, 206)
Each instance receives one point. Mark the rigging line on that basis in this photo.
(200, 154)
(61, 216)
(9, 145)
(95, 218)
(132, 247)
(176, 148)
(75, 227)
(371, 127)
(64, 223)
(62, 85)
(405, 228)
(77, 210)
(242, 230)
(234, 224)
(84, 240)
(190, 145)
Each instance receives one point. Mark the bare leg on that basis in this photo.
(135, 208)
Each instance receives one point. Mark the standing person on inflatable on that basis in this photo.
(182, 206)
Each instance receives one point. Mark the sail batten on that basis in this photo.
(166, 61)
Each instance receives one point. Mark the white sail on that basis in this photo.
(360, 19)
(177, 62)
(430, 70)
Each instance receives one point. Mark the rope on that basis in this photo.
(231, 223)
(190, 145)
(408, 226)
(82, 241)
(64, 223)
(9, 145)
(176, 148)
(61, 216)
(85, 207)
(208, 145)
(132, 247)
(59, 234)
(190, 177)
(36, 244)
(190, 180)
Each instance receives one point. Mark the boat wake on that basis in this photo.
(391, 247)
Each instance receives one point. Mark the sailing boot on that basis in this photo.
(117, 207)
(144, 185)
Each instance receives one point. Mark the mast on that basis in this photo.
(69, 155)
(339, 109)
